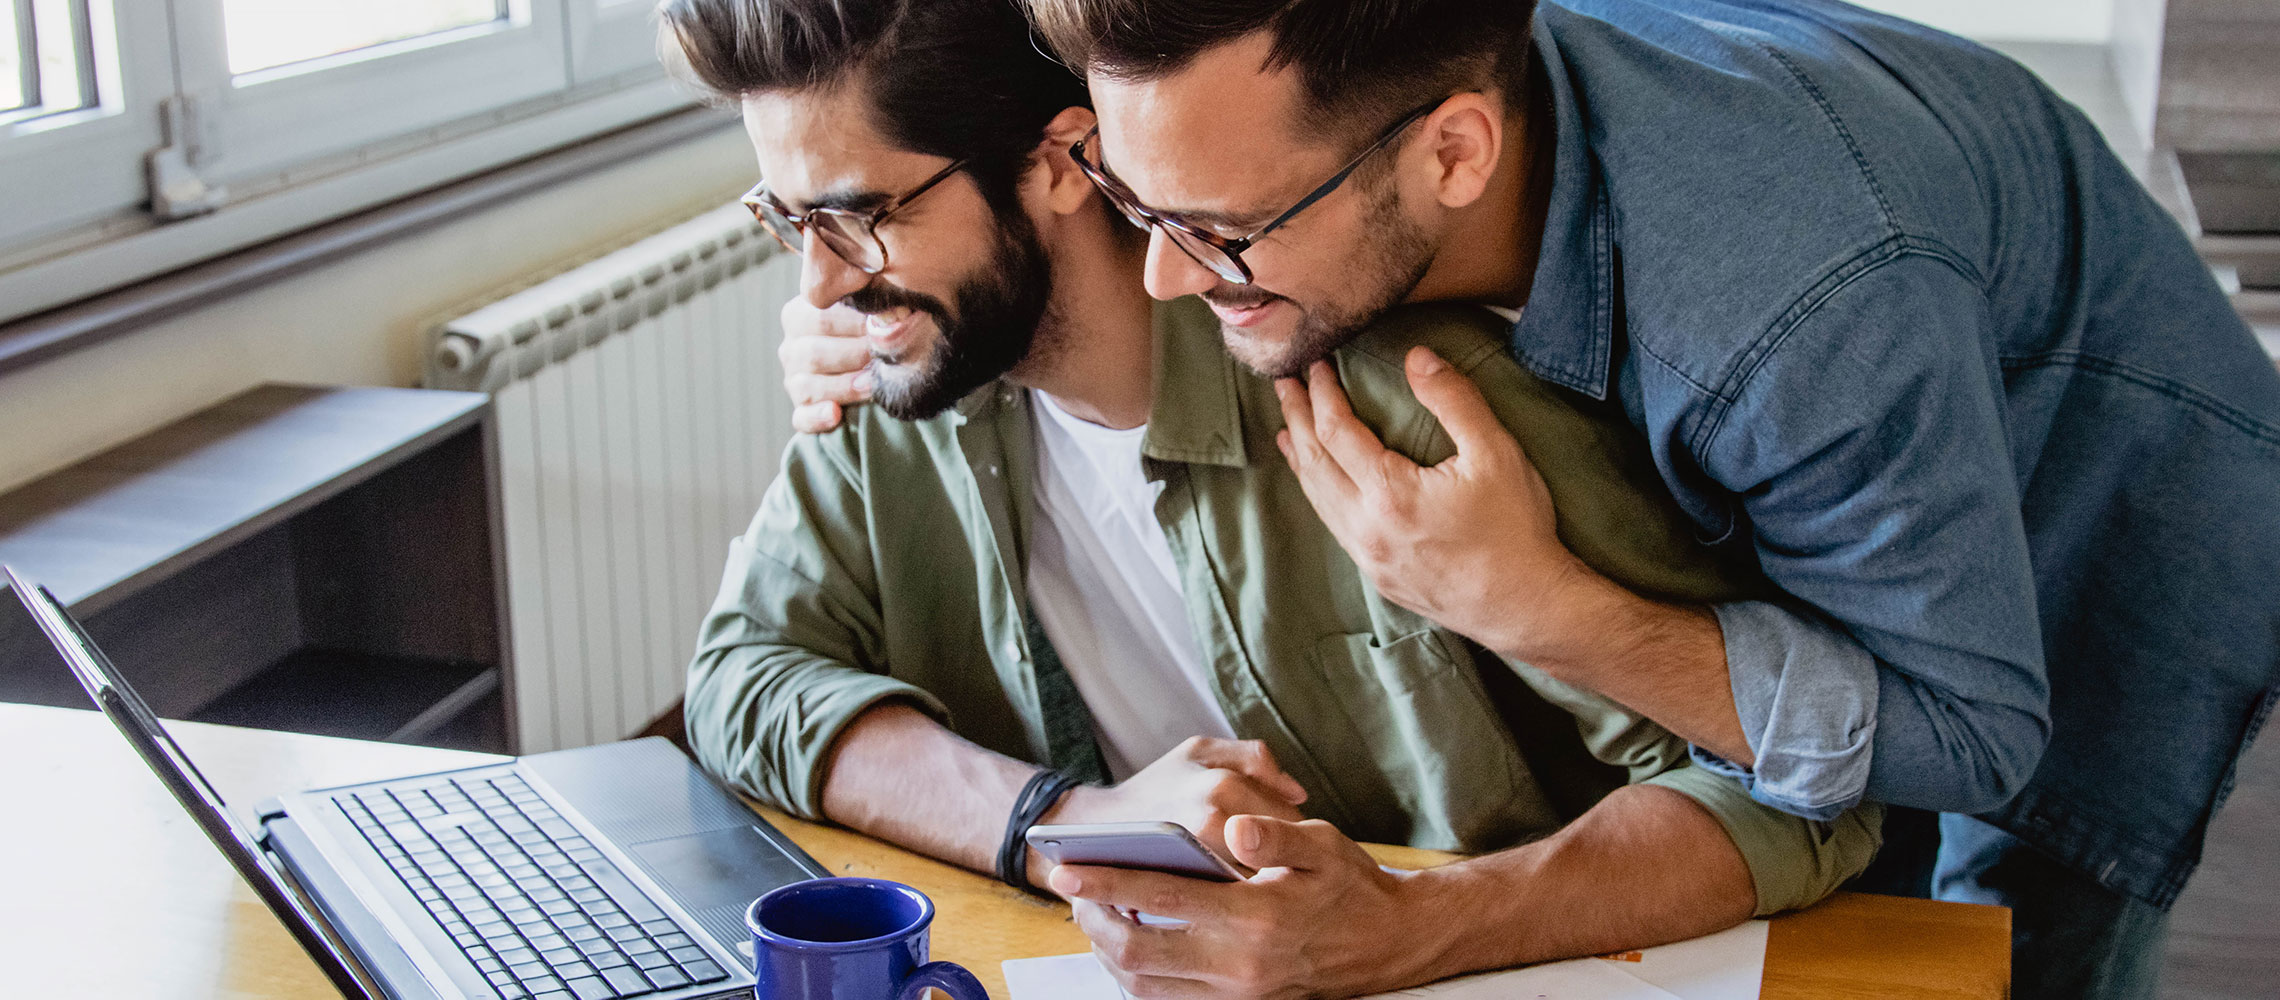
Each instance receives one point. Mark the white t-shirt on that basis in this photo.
(1105, 589)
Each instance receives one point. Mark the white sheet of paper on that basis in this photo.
(1080, 977)
(1727, 965)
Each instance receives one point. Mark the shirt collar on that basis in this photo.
(1195, 417)
(1568, 331)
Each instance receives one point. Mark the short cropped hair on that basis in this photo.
(1362, 62)
(960, 79)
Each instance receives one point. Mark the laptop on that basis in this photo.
(611, 871)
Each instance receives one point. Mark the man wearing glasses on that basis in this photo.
(1079, 550)
(1888, 314)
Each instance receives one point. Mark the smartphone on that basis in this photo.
(1155, 847)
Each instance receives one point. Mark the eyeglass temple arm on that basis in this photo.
(1340, 178)
(896, 205)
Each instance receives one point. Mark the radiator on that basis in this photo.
(640, 413)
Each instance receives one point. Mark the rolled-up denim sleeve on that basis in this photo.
(1870, 454)
(1806, 694)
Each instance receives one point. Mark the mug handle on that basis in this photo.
(949, 977)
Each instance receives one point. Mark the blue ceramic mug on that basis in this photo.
(848, 939)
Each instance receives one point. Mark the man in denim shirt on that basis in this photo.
(1888, 313)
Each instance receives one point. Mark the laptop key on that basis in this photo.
(703, 971)
(597, 946)
(591, 988)
(625, 981)
(667, 978)
(687, 955)
(652, 960)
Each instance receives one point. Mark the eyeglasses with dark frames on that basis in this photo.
(854, 236)
(1223, 255)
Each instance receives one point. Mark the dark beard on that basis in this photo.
(990, 332)
(1401, 255)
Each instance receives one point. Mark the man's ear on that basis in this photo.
(1066, 189)
(1465, 140)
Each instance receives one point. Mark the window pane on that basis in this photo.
(12, 47)
(266, 33)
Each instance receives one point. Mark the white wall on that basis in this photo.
(2089, 21)
(355, 321)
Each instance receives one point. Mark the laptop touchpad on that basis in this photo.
(718, 867)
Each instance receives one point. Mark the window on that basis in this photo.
(266, 34)
(45, 65)
(120, 118)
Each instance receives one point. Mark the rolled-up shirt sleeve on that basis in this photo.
(1807, 695)
(1869, 453)
(1793, 861)
(788, 656)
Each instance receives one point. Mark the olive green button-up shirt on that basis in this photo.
(887, 561)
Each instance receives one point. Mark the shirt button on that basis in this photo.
(993, 470)
(1012, 650)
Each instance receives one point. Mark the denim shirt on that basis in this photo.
(1891, 314)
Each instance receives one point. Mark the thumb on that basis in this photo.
(1456, 402)
(1261, 842)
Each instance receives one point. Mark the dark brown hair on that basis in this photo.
(1362, 62)
(960, 79)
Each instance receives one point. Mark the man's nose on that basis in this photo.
(1170, 272)
(825, 278)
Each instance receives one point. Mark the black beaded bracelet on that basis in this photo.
(1037, 797)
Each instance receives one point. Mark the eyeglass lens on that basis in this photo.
(844, 235)
(1201, 252)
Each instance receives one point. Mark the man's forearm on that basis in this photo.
(1664, 661)
(1645, 866)
(898, 775)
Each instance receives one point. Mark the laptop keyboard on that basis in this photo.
(541, 912)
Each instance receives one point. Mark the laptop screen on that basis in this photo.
(141, 727)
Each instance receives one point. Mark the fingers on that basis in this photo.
(1174, 896)
(1142, 986)
(1260, 842)
(1344, 437)
(1131, 947)
(1457, 403)
(815, 418)
(823, 353)
(805, 387)
(1251, 759)
(1325, 483)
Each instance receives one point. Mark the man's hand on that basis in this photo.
(1319, 919)
(826, 363)
(1470, 543)
(1198, 785)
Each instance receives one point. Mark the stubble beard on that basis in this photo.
(996, 325)
(1398, 255)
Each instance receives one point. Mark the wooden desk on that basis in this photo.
(108, 890)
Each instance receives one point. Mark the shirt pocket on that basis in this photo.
(1425, 759)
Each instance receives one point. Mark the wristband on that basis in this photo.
(1044, 789)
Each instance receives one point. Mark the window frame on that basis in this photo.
(78, 221)
(270, 120)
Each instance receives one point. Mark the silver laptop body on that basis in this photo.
(622, 862)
